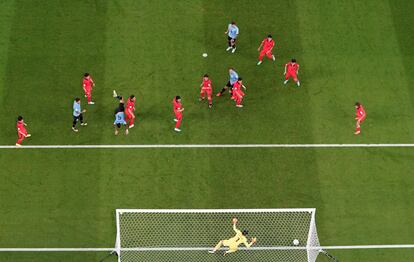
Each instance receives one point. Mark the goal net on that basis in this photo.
(188, 235)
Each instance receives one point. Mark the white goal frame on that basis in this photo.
(309, 247)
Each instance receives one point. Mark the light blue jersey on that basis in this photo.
(233, 76)
(76, 109)
(233, 31)
(120, 118)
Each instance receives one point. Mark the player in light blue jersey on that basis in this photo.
(77, 114)
(120, 119)
(233, 76)
(232, 33)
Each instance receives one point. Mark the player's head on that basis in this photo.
(245, 232)
(77, 100)
(233, 22)
(132, 98)
(240, 79)
(178, 98)
(357, 104)
(293, 60)
(86, 75)
(269, 36)
(205, 76)
(19, 118)
(231, 69)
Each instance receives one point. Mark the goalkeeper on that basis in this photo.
(234, 242)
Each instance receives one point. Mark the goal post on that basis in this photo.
(188, 234)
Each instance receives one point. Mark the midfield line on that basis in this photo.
(144, 146)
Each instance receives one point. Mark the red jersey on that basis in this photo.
(267, 45)
(177, 106)
(87, 84)
(237, 88)
(292, 67)
(130, 105)
(21, 128)
(206, 84)
(360, 112)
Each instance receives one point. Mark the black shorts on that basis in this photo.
(231, 39)
(229, 84)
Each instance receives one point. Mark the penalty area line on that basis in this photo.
(154, 249)
(144, 146)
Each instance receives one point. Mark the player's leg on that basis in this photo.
(233, 45)
(131, 121)
(217, 247)
(178, 117)
(117, 127)
(295, 78)
(75, 121)
(81, 120)
(270, 55)
(202, 95)
(224, 88)
(261, 55)
(357, 127)
(126, 129)
(20, 139)
(229, 43)
(210, 100)
(287, 76)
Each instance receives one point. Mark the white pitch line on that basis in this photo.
(143, 146)
(154, 249)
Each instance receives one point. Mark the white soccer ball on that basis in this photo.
(205, 55)
(295, 242)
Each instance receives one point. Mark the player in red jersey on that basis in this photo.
(292, 70)
(267, 44)
(237, 92)
(360, 117)
(129, 111)
(206, 89)
(178, 111)
(87, 84)
(21, 131)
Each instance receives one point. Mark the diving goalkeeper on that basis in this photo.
(234, 242)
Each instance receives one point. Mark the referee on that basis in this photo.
(77, 114)
(232, 33)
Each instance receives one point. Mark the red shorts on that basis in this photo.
(291, 74)
(360, 120)
(129, 116)
(178, 116)
(206, 91)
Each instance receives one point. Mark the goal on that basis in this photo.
(187, 234)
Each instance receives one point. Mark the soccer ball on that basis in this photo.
(295, 242)
(205, 55)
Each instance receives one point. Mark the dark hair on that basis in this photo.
(270, 36)
(86, 75)
(205, 75)
(177, 97)
(245, 232)
(293, 60)
(77, 99)
(131, 96)
(19, 118)
(233, 23)
(357, 104)
(239, 79)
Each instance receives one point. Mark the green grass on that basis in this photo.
(348, 51)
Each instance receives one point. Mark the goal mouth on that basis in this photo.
(287, 234)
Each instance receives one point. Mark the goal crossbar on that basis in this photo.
(109, 249)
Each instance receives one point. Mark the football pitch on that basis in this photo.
(348, 51)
